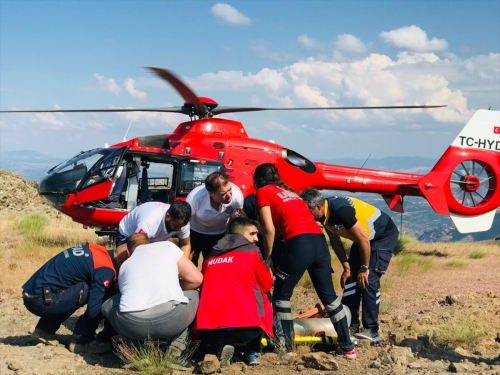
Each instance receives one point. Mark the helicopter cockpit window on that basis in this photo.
(103, 166)
(67, 176)
(194, 174)
(298, 160)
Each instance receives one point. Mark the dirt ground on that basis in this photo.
(415, 315)
(419, 309)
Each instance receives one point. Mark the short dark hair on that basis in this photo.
(239, 224)
(135, 240)
(180, 210)
(215, 180)
(312, 197)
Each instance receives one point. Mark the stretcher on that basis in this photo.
(314, 327)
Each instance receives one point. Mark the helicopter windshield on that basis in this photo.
(68, 176)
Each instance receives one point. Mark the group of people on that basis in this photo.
(157, 294)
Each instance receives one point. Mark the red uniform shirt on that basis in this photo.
(289, 212)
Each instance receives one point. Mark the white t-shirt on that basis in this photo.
(207, 220)
(150, 277)
(149, 218)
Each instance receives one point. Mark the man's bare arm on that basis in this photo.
(191, 277)
(185, 245)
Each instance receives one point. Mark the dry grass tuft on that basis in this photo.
(150, 359)
(477, 254)
(456, 262)
(410, 262)
(460, 330)
(403, 243)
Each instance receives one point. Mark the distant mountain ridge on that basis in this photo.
(418, 221)
(32, 165)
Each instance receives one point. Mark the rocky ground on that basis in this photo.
(416, 316)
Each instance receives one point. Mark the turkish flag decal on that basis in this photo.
(496, 130)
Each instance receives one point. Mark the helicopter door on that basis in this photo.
(100, 180)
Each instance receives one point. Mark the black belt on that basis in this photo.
(27, 295)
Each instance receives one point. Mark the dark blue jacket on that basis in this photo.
(89, 263)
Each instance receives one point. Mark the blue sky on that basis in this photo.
(91, 54)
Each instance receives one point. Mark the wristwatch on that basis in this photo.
(364, 268)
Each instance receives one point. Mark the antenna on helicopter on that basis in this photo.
(125, 136)
(360, 168)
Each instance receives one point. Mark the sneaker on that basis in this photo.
(94, 347)
(41, 336)
(182, 365)
(225, 356)
(346, 354)
(354, 340)
(253, 359)
(354, 328)
(369, 334)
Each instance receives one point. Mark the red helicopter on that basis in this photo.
(97, 188)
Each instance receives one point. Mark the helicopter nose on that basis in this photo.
(55, 187)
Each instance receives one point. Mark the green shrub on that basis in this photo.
(477, 254)
(402, 242)
(33, 224)
(407, 261)
(455, 262)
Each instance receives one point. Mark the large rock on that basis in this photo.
(210, 364)
(320, 361)
(396, 355)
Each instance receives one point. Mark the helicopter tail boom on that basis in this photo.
(464, 182)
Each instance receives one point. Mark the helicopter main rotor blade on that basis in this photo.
(182, 89)
(220, 110)
(166, 109)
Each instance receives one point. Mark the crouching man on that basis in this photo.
(234, 308)
(77, 276)
(158, 297)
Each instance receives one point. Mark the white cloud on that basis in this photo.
(415, 58)
(130, 87)
(269, 80)
(107, 84)
(413, 38)
(311, 95)
(349, 44)
(50, 120)
(263, 49)
(309, 43)
(229, 15)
